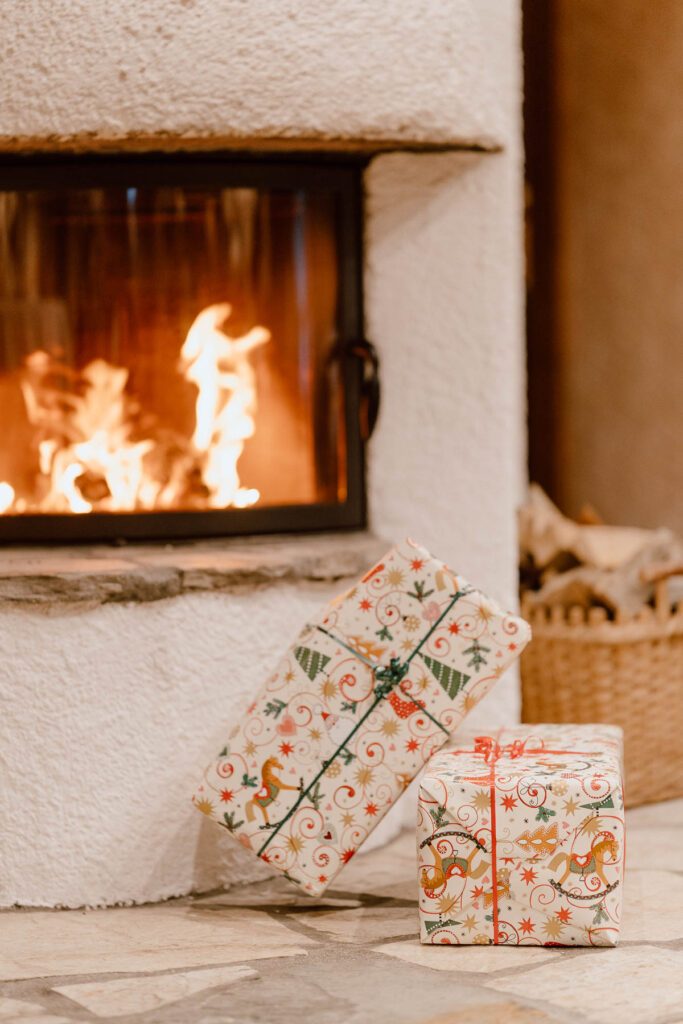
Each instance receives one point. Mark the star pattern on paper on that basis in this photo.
(552, 927)
(482, 800)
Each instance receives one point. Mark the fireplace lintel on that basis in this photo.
(90, 144)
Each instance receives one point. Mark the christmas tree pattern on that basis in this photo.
(275, 708)
(478, 652)
(439, 816)
(432, 926)
(598, 805)
(449, 678)
(419, 592)
(230, 822)
(311, 661)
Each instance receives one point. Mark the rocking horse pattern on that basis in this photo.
(271, 786)
(370, 689)
(521, 838)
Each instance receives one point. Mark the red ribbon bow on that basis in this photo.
(492, 750)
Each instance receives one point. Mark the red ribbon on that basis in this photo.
(492, 750)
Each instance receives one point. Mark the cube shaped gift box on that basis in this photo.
(370, 689)
(521, 838)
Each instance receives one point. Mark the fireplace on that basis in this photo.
(180, 347)
(159, 644)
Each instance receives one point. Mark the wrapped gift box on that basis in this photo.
(521, 838)
(371, 688)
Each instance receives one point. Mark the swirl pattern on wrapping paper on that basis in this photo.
(552, 873)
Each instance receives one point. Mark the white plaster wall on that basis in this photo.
(413, 70)
(107, 720)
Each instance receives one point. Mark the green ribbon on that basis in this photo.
(387, 677)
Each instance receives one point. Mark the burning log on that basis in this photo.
(98, 450)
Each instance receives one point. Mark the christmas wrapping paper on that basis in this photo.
(371, 688)
(521, 838)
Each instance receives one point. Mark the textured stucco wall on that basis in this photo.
(106, 716)
(107, 720)
(424, 70)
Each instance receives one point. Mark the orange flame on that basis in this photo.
(220, 367)
(89, 456)
(98, 425)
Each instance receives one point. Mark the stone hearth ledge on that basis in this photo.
(70, 578)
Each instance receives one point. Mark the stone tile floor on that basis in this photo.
(263, 953)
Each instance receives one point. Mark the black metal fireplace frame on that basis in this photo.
(343, 175)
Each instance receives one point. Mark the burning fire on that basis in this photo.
(226, 401)
(6, 497)
(93, 453)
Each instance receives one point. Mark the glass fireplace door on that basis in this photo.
(172, 348)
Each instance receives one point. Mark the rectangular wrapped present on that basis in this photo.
(369, 690)
(521, 838)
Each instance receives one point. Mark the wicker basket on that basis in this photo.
(582, 667)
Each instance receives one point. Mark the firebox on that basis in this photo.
(181, 347)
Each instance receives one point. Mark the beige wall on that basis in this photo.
(619, 259)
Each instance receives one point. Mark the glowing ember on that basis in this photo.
(94, 454)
